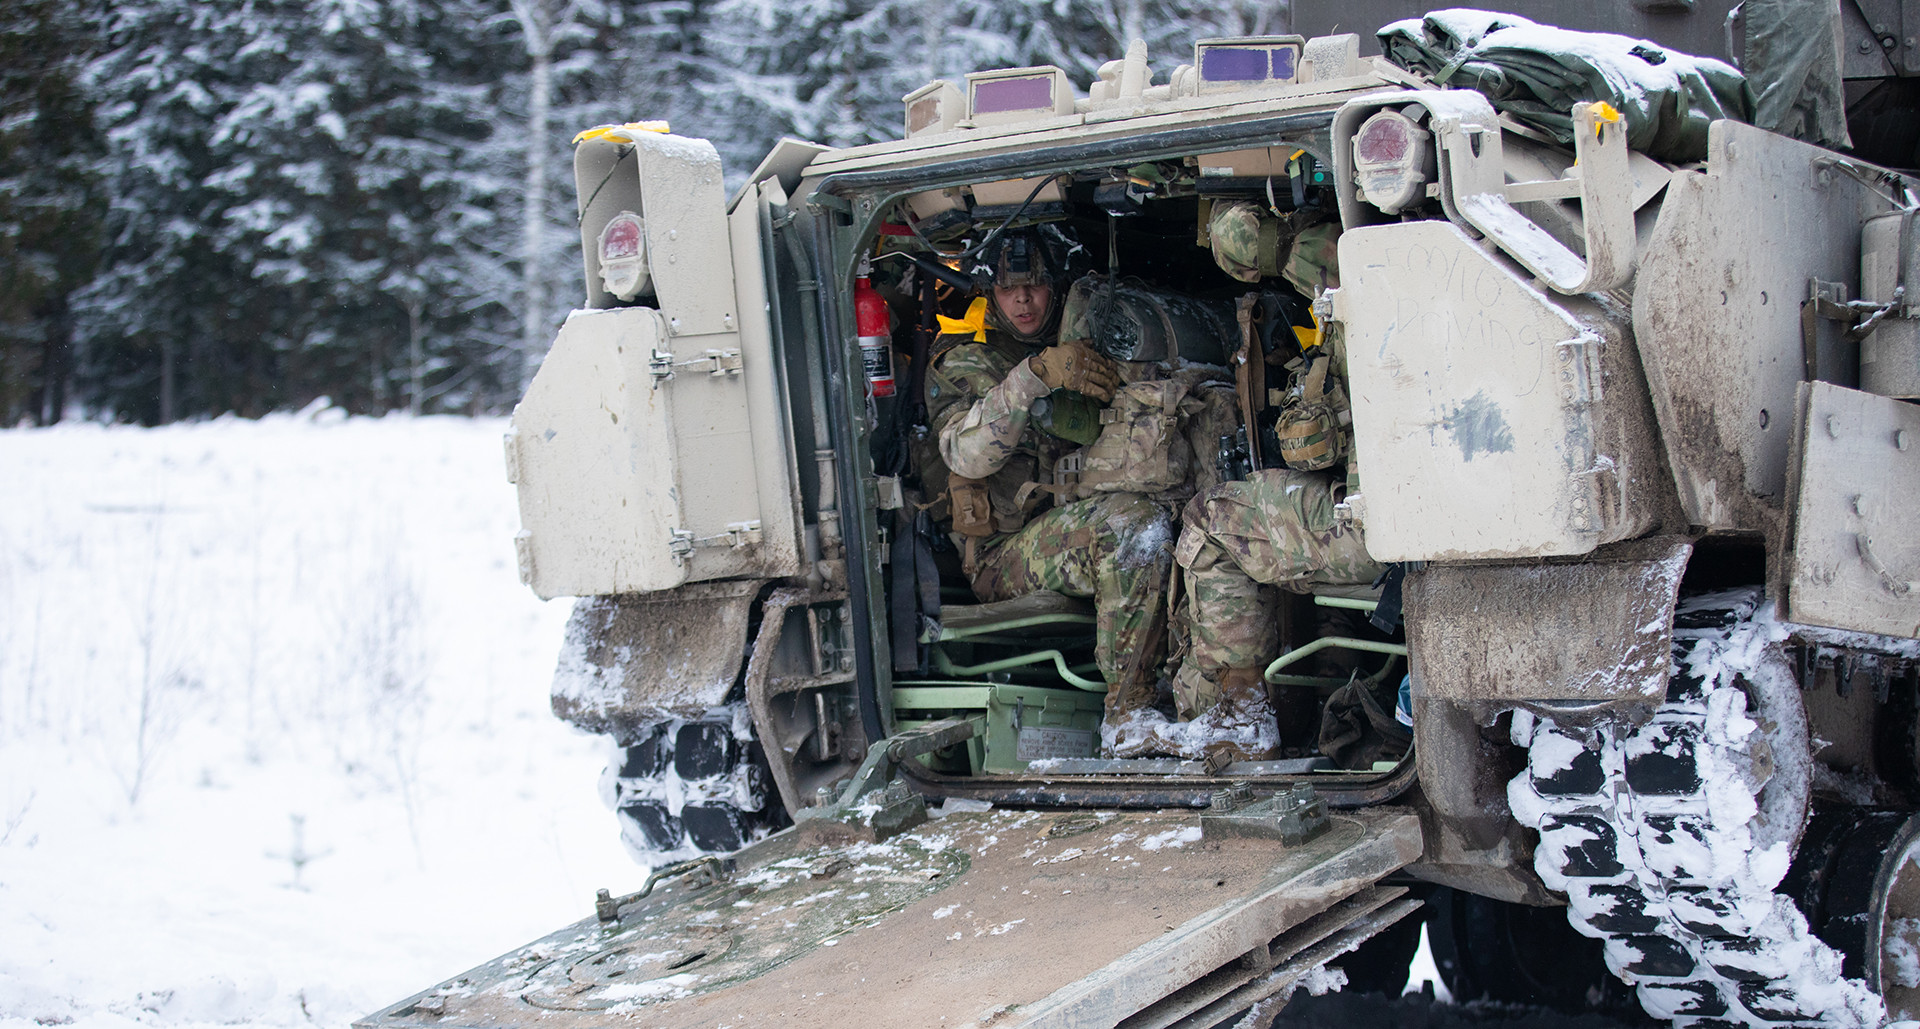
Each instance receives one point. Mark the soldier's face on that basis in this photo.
(1024, 307)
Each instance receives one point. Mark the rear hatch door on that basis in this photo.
(1009, 918)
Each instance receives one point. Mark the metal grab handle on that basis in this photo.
(1603, 187)
(1325, 642)
(1894, 584)
(606, 907)
(945, 666)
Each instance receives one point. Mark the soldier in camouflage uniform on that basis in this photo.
(1238, 541)
(987, 375)
(1241, 539)
(1249, 245)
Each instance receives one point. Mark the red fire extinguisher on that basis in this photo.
(875, 325)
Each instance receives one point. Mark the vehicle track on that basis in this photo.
(1669, 838)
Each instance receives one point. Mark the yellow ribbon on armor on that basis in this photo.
(612, 131)
(974, 322)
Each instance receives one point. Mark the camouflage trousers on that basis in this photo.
(1238, 541)
(1116, 548)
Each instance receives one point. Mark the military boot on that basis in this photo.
(1132, 726)
(1241, 726)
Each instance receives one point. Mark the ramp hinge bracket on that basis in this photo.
(714, 362)
(681, 542)
(1580, 368)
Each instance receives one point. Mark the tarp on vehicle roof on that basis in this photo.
(1536, 73)
(1793, 66)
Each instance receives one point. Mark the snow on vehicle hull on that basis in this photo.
(1018, 918)
(1601, 353)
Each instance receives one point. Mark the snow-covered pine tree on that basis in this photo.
(350, 190)
(296, 212)
(830, 71)
(50, 201)
(160, 292)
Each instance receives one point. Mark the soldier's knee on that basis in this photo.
(1143, 532)
(1196, 551)
(1132, 509)
(1218, 509)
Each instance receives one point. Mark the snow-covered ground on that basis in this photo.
(274, 746)
(274, 742)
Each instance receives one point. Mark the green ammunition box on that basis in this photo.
(1024, 723)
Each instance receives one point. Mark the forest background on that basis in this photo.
(239, 206)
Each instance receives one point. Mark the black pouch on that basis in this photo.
(1357, 731)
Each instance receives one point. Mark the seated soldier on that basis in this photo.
(989, 376)
(1238, 540)
(1276, 528)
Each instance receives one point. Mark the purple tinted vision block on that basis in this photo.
(1233, 64)
(1026, 94)
(1283, 62)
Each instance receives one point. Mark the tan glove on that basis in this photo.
(1077, 367)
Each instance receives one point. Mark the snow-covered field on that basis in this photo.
(274, 742)
(274, 746)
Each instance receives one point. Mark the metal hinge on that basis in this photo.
(681, 542)
(523, 556)
(1293, 816)
(1580, 368)
(1323, 306)
(714, 362)
(829, 202)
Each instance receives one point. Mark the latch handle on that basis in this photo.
(606, 907)
(1892, 583)
(714, 362)
(1606, 211)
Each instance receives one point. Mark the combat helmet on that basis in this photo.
(1029, 256)
(1018, 258)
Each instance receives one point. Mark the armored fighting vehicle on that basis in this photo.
(1628, 414)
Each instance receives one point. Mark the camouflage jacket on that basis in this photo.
(979, 396)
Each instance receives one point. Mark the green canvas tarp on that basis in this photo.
(1793, 63)
(1536, 73)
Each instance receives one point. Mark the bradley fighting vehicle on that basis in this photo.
(1629, 387)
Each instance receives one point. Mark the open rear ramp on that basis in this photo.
(1003, 918)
